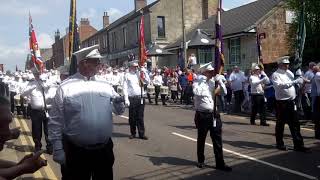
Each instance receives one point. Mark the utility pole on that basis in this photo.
(184, 36)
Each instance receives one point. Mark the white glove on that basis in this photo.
(298, 81)
(127, 102)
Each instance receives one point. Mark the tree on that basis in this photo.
(312, 45)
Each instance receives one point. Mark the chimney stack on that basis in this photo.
(106, 20)
(57, 35)
(139, 4)
(84, 21)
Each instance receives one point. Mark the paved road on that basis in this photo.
(170, 152)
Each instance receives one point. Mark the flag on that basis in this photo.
(142, 46)
(300, 39)
(34, 47)
(73, 37)
(219, 57)
(17, 68)
(260, 36)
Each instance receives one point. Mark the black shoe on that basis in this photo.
(164, 104)
(302, 149)
(144, 137)
(132, 136)
(200, 165)
(282, 147)
(150, 102)
(224, 168)
(264, 124)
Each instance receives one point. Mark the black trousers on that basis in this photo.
(39, 120)
(316, 116)
(286, 113)
(87, 164)
(204, 123)
(12, 94)
(258, 106)
(136, 116)
(174, 95)
(163, 97)
(307, 105)
(238, 97)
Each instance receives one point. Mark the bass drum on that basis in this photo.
(164, 90)
(150, 89)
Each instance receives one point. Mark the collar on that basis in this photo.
(82, 77)
(281, 71)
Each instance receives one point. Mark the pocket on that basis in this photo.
(73, 104)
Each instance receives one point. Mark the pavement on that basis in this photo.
(170, 152)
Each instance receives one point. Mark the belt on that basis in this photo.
(87, 147)
(205, 111)
(137, 96)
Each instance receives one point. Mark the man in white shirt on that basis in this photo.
(192, 61)
(80, 126)
(257, 81)
(35, 90)
(133, 92)
(116, 79)
(158, 82)
(204, 90)
(315, 94)
(237, 78)
(306, 96)
(286, 109)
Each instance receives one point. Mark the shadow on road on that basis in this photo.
(158, 161)
(20, 148)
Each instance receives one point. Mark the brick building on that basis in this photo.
(163, 25)
(60, 48)
(240, 27)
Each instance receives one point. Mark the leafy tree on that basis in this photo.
(312, 45)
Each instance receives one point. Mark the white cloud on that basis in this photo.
(45, 40)
(114, 14)
(89, 13)
(21, 9)
(11, 56)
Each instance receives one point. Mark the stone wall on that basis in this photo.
(275, 45)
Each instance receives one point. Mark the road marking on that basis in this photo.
(125, 117)
(270, 122)
(47, 169)
(253, 159)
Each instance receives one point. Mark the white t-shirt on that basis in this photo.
(236, 80)
(309, 75)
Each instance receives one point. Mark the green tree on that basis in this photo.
(312, 45)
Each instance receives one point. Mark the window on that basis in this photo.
(235, 51)
(205, 55)
(138, 30)
(114, 41)
(161, 27)
(205, 9)
(124, 35)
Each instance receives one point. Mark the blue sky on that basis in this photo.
(50, 15)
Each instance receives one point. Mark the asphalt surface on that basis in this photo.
(170, 152)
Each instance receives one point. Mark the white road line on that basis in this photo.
(253, 159)
(270, 122)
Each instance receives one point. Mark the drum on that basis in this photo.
(150, 89)
(120, 90)
(164, 90)
(17, 100)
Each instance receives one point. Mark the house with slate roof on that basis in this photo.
(163, 26)
(240, 27)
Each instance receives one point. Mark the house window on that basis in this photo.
(114, 39)
(138, 30)
(205, 55)
(161, 26)
(235, 51)
(124, 35)
(205, 9)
